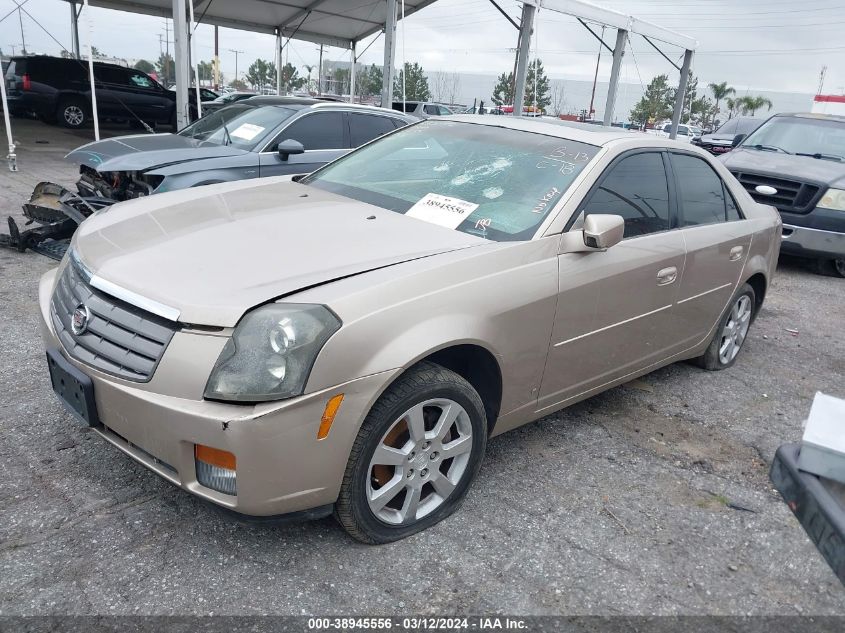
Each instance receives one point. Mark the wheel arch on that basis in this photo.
(759, 284)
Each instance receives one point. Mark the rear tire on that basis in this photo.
(731, 331)
(831, 267)
(72, 113)
(415, 456)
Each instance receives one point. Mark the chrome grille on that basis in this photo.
(120, 339)
(792, 196)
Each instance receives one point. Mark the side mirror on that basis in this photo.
(739, 138)
(601, 231)
(289, 147)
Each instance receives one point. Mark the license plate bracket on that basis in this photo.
(74, 388)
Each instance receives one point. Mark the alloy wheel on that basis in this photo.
(735, 330)
(419, 461)
(74, 115)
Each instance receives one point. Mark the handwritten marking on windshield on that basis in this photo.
(543, 203)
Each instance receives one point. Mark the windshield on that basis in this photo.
(488, 181)
(241, 125)
(822, 138)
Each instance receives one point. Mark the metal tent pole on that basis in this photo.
(279, 61)
(613, 88)
(180, 52)
(389, 54)
(11, 157)
(352, 73)
(74, 29)
(525, 27)
(91, 73)
(195, 62)
(680, 94)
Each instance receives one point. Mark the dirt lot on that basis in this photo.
(652, 498)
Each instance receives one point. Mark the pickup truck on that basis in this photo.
(796, 163)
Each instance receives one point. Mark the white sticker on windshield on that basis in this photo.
(442, 210)
(247, 131)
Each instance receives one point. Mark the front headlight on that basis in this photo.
(271, 353)
(833, 199)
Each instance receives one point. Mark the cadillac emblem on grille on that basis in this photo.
(79, 319)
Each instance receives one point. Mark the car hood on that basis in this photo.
(716, 138)
(214, 253)
(786, 165)
(140, 152)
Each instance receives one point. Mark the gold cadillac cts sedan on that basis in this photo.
(348, 341)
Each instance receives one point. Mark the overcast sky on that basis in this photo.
(778, 45)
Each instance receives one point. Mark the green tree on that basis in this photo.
(720, 91)
(340, 81)
(536, 79)
(205, 70)
(503, 91)
(696, 108)
(656, 103)
(416, 83)
(144, 66)
(238, 84)
(369, 80)
(749, 105)
(166, 68)
(290, 77)
(261, 73)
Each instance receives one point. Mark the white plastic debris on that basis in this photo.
(823, 444)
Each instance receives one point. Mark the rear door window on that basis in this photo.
(702, 193)
(320, 130)
(637, 189)
(365, 127)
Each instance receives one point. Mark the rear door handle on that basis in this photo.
(736, 253)
(667, 276)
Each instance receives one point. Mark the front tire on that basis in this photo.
(731, 331)
(831, 267)
(415, 456)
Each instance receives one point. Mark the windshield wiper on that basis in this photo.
(768, 148)
(819, 155)
(227, 139)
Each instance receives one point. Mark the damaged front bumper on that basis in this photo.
(116, 185)
(281, 466)
(55, 212)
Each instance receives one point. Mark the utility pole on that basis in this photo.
(232, 50)
(596, 76)
(23, 39)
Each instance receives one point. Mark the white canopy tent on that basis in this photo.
(328, 22)
(624, 25)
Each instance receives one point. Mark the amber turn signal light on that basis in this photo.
(332, 407)
(214, 456)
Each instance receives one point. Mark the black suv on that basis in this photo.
(58, 90)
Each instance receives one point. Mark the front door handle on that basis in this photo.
(736, 253)
(666, 276)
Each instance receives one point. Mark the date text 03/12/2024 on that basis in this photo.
(417, 623)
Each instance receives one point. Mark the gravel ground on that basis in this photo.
(652, 498)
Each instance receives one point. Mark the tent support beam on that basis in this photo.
(596, 35)
(389, 55)
(613, 88)
(525, 28)
(681, 94)
(180, 55)
(352, 72)
(278, 61)
(74, 29)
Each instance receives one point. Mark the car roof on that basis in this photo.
(582, 132)
(320, 104)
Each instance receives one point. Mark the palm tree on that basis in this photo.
(720, 91)
(733, 105)
(750, 105)
(309, 68)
